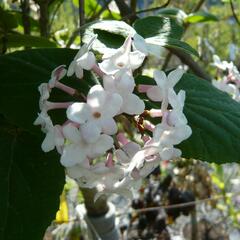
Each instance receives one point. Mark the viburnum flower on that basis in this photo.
(57, 74)
(54, 137)
(176, 116)
(123, 84)
(122, 58)
(159, 93)
(223, 65)
(97, 114)
(225, 87)
(84, 59)
(77, 151)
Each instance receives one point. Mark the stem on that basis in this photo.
(194, 225)
(98, 208)
(234, 13)
(44, 18)
(25, 16)
(81, 17)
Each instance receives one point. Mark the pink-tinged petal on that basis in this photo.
(108, 126)
(136, 59)
(131, 148)
(174, 77)
(71, 133)
(109, 162)
(96, 97)
(142, 88)
(160, 78)
(103, 144)
(122, 139)
(79, 112)
(155, 93)
(155, 112)
(87, 61)
(90, 132)
(135, 173)
(72, 155)
(132, 104)
(112, 105)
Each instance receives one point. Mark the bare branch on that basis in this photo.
(234, 13)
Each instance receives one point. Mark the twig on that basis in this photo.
(133, 14)
(234, 13)
(81, 17)
(54, 14)
(44, 18)
(195, 9)
(188, 60)
(25, 16)
(179, 205)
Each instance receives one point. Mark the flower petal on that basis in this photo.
(73, 154)
(87, 61)
(109, 126)
(71, 133)
(136, 59)
(112, 105)
(79, 112)
(96, 97)
(174, 77)
(132, 104)
(90, 132)
(155, 94)
(103, 144)
(160, 78)
(48, 143)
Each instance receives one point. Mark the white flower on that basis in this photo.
(123, 84)
(97, 114)
(225, 87)
(223, 65)
(164, 83)
(77, 151)
(83, 60)
(57, 74)
(54, 137)
(122, 58)
(176, 116)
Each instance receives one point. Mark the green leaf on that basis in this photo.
(162, 32)
(111, 34)
(21, 74)
(15, 40)
(200, 16)
(31, 183)
(214, 118)
(172, 43)
(158, 26)
(7, 20)
(173, 12)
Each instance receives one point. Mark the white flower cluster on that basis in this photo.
(93, 149)
(229, 82)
